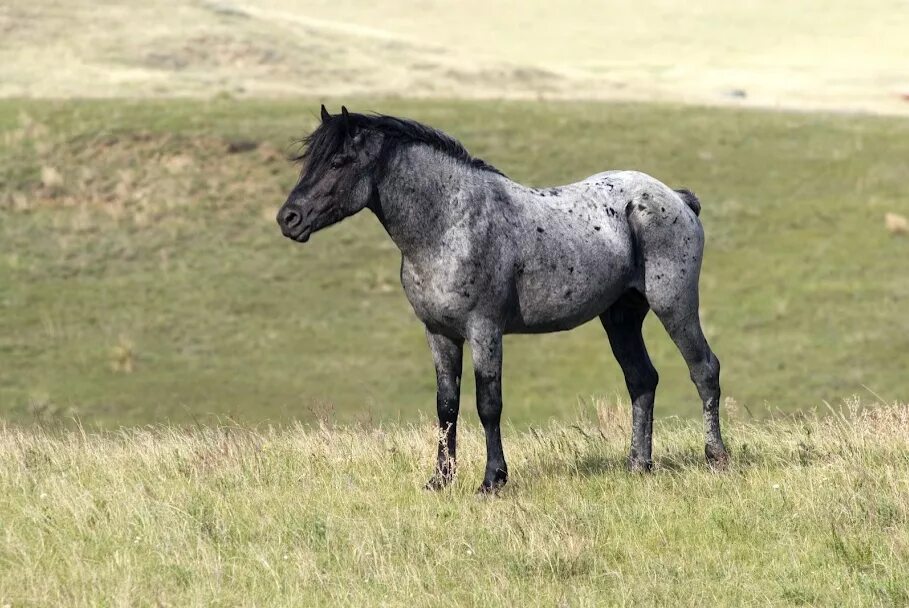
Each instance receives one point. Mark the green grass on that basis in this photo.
(813, 511)
(149, 283)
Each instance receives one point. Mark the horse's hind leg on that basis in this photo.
(669, 242)
(623, 322)
(679, 314)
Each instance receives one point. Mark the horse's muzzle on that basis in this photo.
(292, 226)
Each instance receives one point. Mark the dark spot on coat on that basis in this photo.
(571, 269)
(567, 294)
(540, 229)
(596, 227)
(645, 196)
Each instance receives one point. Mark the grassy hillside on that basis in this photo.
(812, 512)
(142, 277)
(833, 55)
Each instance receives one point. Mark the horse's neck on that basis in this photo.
(421, 195)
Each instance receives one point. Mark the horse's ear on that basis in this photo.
(325, 114)
(346, 118)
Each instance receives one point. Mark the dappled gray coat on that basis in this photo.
(483, 256)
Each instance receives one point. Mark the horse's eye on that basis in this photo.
(341, 160)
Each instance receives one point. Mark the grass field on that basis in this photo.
(196, 411)
(833, 55)
(813, 511)
(143, 279)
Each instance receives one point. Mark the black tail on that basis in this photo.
(690, 199)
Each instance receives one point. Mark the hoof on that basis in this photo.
(717, 457)
(438, 482)
(636, 465)
(491, 487)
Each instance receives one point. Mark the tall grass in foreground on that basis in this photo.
(814, 510)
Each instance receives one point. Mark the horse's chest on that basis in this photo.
(442, 293)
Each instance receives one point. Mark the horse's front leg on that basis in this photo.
(486, 348)
(447, 354)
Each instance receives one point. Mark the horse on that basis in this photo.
(483, 256)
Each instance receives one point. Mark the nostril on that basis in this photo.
(292, 218)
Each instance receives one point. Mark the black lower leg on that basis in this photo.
(447, 406)
(706, 376)
(489, 406)
(623, 323)
(640, 456)
(684, 327)
(486, 348)
(447, 356)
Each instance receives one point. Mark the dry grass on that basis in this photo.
(831, 55)
(896, 223)
(814, 511)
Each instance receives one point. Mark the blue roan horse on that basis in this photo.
(483, 256)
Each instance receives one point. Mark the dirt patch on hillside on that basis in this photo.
(205, 51)
(143, 176)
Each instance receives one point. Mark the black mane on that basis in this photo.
(326, 141)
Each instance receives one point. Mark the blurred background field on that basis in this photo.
(836, 55)
(143, 157)
(142, 276)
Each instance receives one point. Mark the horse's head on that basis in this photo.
(337, 179)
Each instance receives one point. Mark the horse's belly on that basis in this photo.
(576, 259)
(564, 298)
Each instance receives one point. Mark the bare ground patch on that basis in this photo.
(140, 176)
